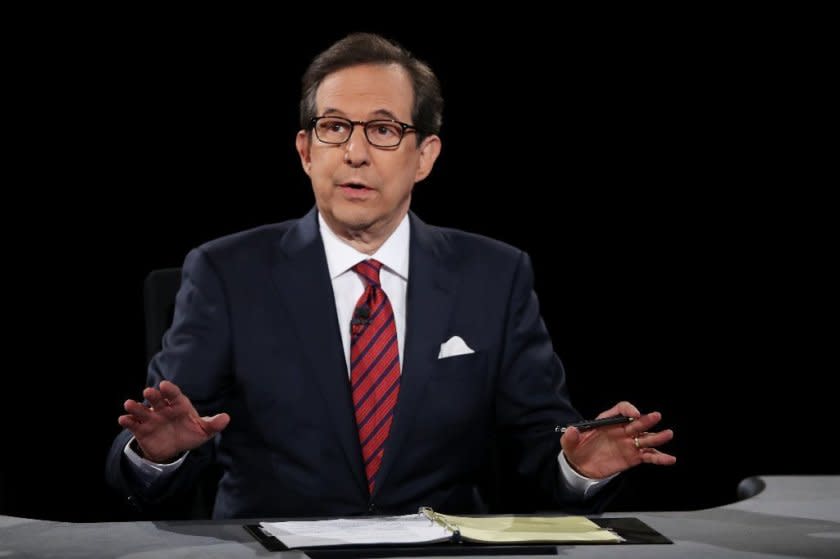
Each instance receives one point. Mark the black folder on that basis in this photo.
(633, 530)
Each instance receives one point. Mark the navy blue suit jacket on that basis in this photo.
(255, 334)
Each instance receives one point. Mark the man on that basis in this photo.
(358, 360)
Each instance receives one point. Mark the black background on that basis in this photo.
(663, 174)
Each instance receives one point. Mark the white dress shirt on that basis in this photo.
(348, 286)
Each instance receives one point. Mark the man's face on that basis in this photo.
(360, 188)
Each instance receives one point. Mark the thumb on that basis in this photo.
(570, 440)
(216, 423)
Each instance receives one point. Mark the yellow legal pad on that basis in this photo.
(513, 529)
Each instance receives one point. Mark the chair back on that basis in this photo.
(159, 290)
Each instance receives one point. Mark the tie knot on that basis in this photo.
(369, 270)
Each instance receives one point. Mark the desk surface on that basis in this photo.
(794, 516)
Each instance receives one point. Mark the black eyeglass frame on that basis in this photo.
(404, 127)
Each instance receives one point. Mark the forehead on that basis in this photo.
(367, 90)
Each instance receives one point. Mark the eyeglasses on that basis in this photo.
(385, 133)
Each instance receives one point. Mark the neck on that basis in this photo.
(363, 244)
(367, 239)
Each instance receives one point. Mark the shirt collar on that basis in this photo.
(341, 256)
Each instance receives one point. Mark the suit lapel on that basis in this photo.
(429, 300)
(303, 279)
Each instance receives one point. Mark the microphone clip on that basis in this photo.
(360, 320)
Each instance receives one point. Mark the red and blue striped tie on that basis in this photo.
(374, 368)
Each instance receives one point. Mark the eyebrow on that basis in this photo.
(384, 113)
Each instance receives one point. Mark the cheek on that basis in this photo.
(400, 174)
(321, 187)
(321, 173)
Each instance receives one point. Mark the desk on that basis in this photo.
(794, 516)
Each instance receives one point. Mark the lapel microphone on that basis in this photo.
(360, 320)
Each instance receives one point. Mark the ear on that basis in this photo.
(429, 151)
(303, 144)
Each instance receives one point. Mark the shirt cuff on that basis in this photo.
(581, 485)
(149, 472)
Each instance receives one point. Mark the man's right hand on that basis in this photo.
(169, 425)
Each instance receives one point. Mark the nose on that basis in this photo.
(357, 149)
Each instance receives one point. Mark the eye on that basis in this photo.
(332, 125)
(384, 130)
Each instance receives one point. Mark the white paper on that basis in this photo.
(410, 528)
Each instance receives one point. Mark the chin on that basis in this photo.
(355, 220)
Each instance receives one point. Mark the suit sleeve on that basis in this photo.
(531, 401)
(196, 356)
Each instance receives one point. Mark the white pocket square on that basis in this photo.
(454, 346)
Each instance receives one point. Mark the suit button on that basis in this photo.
(372, 507)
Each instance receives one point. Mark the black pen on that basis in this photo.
(593, 423)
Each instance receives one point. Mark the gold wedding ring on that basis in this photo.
(636, 442)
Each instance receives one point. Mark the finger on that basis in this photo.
(656, 457)
(154, 397)
(623, 408)
(137, 428)
(170, 392)
(138, 410)
(128, 422)
(643, 423)
(213, 425)
(648, 440)
(660, 438)
(570, 439)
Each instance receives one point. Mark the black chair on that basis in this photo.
(159, 290)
